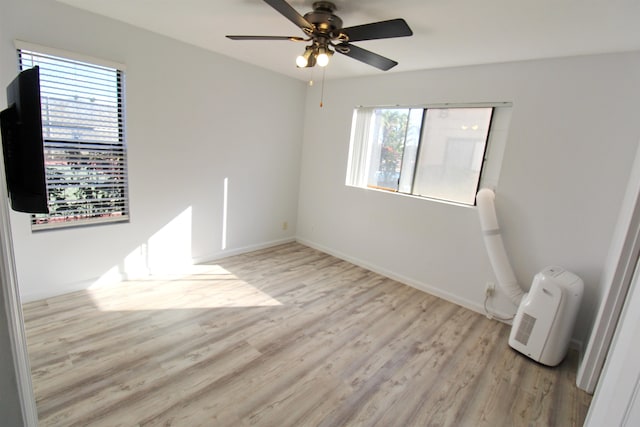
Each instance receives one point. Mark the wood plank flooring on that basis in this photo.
(286, 336)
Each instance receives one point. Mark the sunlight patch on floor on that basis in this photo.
(196, 287)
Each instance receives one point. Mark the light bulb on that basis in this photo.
(301, 61)
(322, 59)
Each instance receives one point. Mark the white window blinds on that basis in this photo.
(84, 145)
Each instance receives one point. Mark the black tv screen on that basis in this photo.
(22, 143)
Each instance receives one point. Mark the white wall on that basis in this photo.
(193, 118)
(571, 142)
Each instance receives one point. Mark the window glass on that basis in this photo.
(436, 153)
(390, 129)
(451, 158)
(409, 158)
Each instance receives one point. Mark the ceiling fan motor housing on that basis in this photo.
(323, 19)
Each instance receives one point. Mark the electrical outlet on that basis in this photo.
(489, 289)
(285, 225)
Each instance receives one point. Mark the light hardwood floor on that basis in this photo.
(286, 336)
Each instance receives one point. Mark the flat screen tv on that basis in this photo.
(22, 142)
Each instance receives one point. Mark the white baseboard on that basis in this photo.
(471, 305)
(438, 292)
(424, 287)
(114, 278)
(242, 250)
(61, 290)
(575, 344)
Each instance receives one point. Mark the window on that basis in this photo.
(438, 153)
(84, 147)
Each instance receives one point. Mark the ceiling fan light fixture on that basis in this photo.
(323, 59)
(305, 60)
(301, 61)
(323, 56)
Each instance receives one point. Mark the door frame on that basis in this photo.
(15, 320)
(624, 252)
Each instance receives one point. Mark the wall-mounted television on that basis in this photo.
(22, 143)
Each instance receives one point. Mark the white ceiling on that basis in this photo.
(446, 32)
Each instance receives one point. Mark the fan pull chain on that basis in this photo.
(322, 90)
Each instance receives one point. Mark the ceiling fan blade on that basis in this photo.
(291, 38)
(378, 30)
(363, 55)
(291, 14)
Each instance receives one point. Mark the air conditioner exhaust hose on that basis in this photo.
(495, 246)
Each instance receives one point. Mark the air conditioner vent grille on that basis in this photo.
(526, 326)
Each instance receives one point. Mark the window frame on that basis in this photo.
(491, 156)
(112, 173)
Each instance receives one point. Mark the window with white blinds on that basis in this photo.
(84, 145)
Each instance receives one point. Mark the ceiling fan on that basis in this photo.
(324, 30)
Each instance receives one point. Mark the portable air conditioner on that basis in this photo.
(546, 316)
